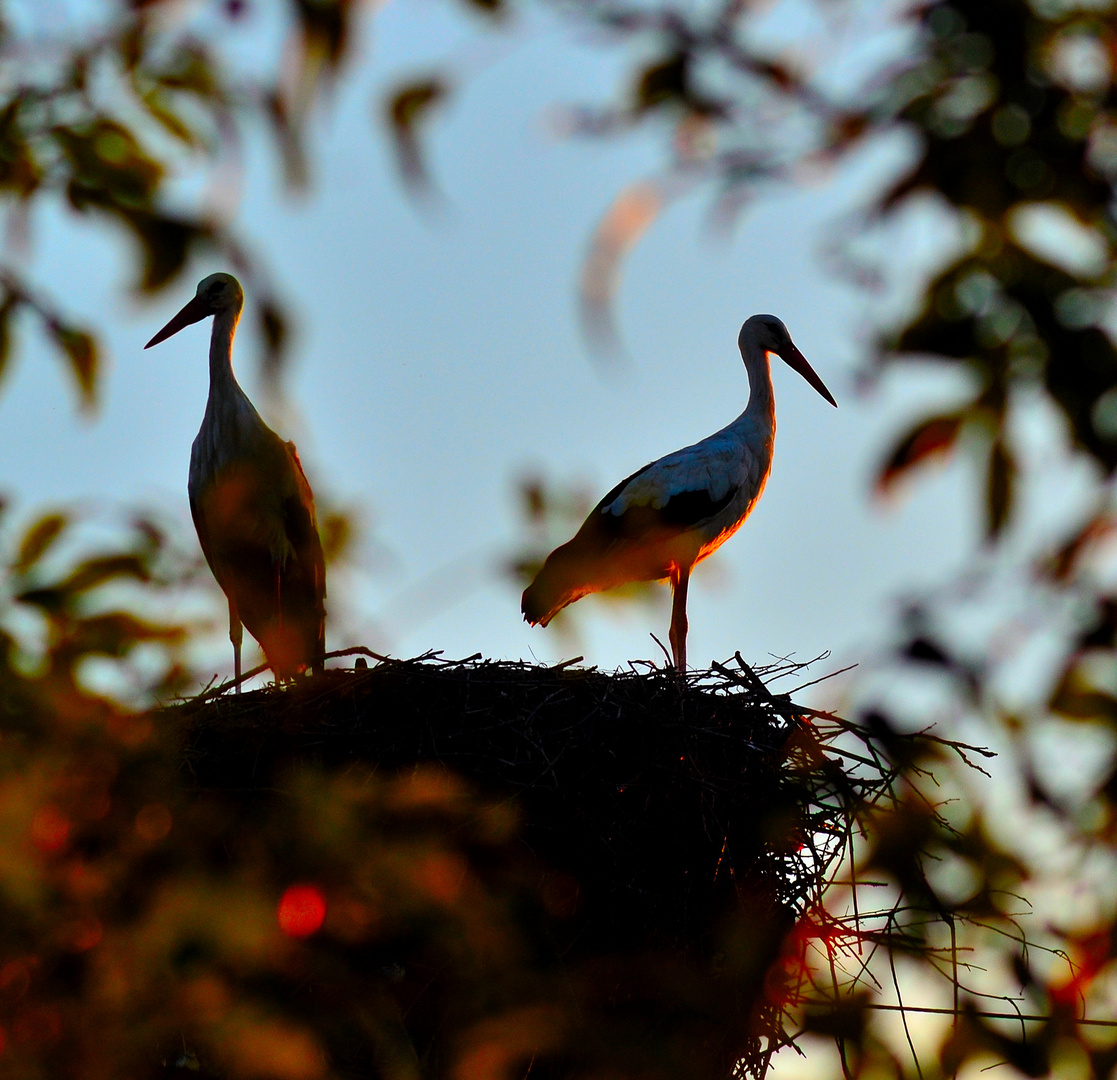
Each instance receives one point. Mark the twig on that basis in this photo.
(670, 659)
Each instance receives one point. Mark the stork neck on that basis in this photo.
(222, 382)
(759, 369)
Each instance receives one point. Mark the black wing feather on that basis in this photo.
(684, 509)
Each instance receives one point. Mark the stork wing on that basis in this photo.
(301, 523)
(640, 528)
(258, 530)
(677, 492)
(202, 529)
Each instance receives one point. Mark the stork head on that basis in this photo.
(769, 333)
(216, 294)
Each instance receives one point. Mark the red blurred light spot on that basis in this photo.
(50, 830)
(153, 822)
(86, 934)
(38, 1024)
(302, 910)
(15, 978)
(441, 876)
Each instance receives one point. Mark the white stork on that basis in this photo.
(252, 505)
(671, 514)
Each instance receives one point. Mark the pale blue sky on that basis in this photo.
(439, 357)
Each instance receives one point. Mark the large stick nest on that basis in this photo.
(695, 819)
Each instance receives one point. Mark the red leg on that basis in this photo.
(680, 579)
(236, 635)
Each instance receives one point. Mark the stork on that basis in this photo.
(252, 505)
(668, 516)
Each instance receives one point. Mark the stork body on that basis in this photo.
(252, 505)
(671, 514)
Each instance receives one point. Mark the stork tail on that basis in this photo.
(564, 578)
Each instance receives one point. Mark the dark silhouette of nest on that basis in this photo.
(694, 819)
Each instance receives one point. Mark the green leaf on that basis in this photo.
(156, 104)
(109, 166)
(191, 71)
(38, 540)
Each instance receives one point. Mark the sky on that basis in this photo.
(438, 359)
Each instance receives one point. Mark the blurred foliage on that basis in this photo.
(1011, 110)
(1017, 115)
(105, 119)
(407, 112)
(71, 600)
(147, 929)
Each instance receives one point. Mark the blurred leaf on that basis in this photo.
(492, 8)
(274, 331)
(47, 599)
(38, 540)
(1067, 559)
(1002, 471)
(109, 166)
(930, 438)
(91, 573)
(408, 110)
(338, 532)
(20, 171)
(664, 82)
(191, 70)
(845, 1020)
(1076, 701)
(165, 245)
(927, 651)
(289, 137)
(7, 309)
(623, 224)
(157, 105)
(81, 352)
(113, 634)
(325, 27)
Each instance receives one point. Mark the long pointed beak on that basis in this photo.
(194, 312)
(798, 362)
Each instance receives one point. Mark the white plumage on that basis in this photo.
(662, 520)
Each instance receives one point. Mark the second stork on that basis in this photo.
(674, 512)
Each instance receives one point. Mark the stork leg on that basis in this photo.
(236, 635)
(680, 579)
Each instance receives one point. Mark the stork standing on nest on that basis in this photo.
(252, 505)
(671, 514)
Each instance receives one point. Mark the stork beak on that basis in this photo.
(194, 312)
(798, 362)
